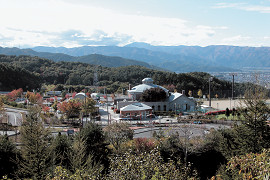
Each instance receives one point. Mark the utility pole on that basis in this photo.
(107, 105)
(210, 79)
(233, 74)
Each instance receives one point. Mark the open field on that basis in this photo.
(223, 104)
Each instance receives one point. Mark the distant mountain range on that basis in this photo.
(229, 56)
(172, 58)
(96, 59)
(180, 58)
(172, 62)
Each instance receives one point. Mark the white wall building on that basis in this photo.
(175, 101)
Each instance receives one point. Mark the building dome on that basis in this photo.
(147, 81)
(147, 84)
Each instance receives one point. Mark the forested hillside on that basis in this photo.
(14, 77)
(115, 79)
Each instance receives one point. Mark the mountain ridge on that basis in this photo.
(174, 62)
(95, 59)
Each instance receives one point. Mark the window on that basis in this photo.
(164, 108)
(158, 107)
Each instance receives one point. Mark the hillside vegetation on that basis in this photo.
(115, 79)
(14, 77)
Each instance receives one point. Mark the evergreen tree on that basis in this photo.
(35, 149)
(227, 112)
(95, 143)
(78, 155)
(61, 148)
(82, 163)
(254, 133)
(8, 154)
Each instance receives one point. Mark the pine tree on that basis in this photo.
(82, 164)
(227, 112)
(35, 149)
(95, 143)
(61, 148)
(253, 132)
(7, 157)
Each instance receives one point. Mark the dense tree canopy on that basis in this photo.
(75, 73)
(15, 77)
(154, 95)
(28, 72)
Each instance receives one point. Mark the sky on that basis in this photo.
(74, 23)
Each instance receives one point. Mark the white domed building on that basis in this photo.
(147, 83)
(175, 101)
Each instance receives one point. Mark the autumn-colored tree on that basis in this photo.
(189, 93)
(74, 94)
(28, 94)
(67, 96)
(250, 166)
(70, 108)
(200, 94)
(88, 106)
(170, 87)
(54, 105)
(35, 98)
(45, 109)
(118, 133)
(141, 145)
(1, 105)
(15, 94)
(147, 165)
(50, 87)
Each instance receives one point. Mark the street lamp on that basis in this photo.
(210, 79)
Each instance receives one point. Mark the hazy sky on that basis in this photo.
(70, 23)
